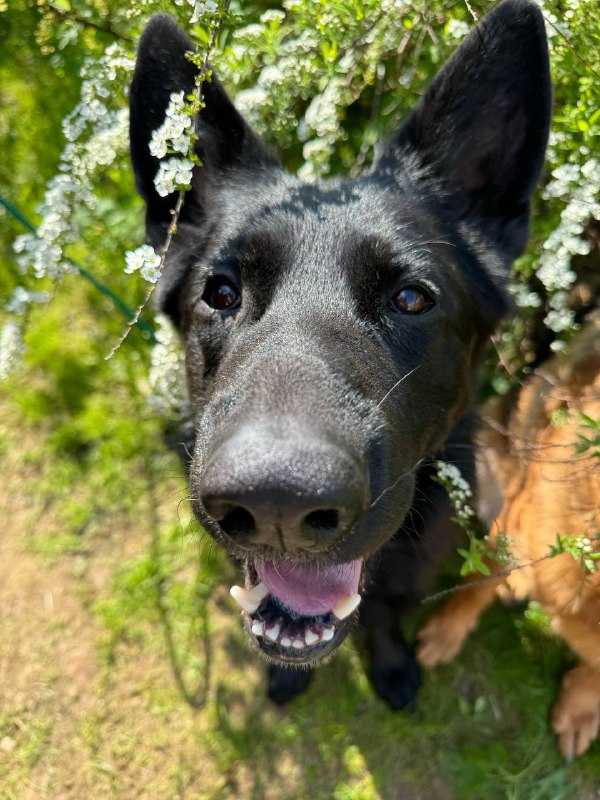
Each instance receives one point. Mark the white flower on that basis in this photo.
(199, 9)
(174, 135)
(145, 259)
(12, 347)
(524, 296)
(21, 298)
(174, 173)
(272, 15)
(457, 29)
(167, 370)
(158, 144)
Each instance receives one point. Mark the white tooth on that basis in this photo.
(249, 599)
(328, 634)
(310, 637)
(298, 644)
(285, 642)
(258, 628)
(346, 606)
(272, 633)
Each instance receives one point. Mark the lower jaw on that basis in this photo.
(291, 639)
(290, 648)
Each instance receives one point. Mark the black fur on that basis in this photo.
(293, 391)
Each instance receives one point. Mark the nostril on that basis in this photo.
(238, 522)
(325, 520)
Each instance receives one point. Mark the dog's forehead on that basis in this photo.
(339, 219)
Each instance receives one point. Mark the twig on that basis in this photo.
(170, 233)
(575, 52)
(181, 197)
(461, 587)
(71, 16)
(471, 12)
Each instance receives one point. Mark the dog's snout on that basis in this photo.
(295, 492)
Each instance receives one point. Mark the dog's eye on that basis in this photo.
(412, 300)
(221, 293)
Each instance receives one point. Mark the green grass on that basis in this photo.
(176, 707)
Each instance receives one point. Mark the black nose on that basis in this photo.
(294, 492)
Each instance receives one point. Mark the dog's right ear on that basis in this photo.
(225, 142)
(482, 126)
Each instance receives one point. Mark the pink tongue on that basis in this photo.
(309, 589)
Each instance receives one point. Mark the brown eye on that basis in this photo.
(412, 300)
(221, 293)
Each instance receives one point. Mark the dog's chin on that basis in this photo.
(288, 638)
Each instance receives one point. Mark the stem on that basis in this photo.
(71, 16)
(170, 233)
(181, 197)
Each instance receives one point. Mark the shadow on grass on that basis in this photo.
(480, 730)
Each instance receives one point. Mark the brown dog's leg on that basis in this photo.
(576, 713)
(443, 634)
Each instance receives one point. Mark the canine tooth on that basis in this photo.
(272, 633)
(298, 644)
(328, 634)
(346, 606)
(310, 637)
(258, 628)
(249, 599)
(285, 641)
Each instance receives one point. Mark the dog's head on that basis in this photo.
(331, 329)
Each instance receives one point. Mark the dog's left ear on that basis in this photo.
(482, 127)
(227, 146)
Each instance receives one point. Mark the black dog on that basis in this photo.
(332, 332)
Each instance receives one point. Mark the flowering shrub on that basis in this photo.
(324, 82)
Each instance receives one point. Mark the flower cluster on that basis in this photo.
(579, 186)
(199, 8)
(12, 347)
(167, 369)
(459, 491)
(479, 553)
(95, 133)
(22, 298)
(146, 260)
(173, 174)
(175, 134)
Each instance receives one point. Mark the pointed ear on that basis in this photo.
(225, 141)
(482, 127)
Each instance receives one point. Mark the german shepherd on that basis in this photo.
(548, 490)
(332, 332)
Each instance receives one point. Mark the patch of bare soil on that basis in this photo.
(71, 726)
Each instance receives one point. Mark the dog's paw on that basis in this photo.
(441, 638)
(285, 683)
(576, 713)
(398, 682)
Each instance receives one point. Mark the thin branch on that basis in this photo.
(71, 16)
(471, 11)
(181, 197)
(163, 256)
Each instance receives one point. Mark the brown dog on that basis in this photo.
(547, 489)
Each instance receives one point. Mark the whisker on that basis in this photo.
(394, 484)
(403, 378)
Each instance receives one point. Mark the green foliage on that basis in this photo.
(580, 547)
(589, 443)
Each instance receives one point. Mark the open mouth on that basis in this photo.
(298, 613)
